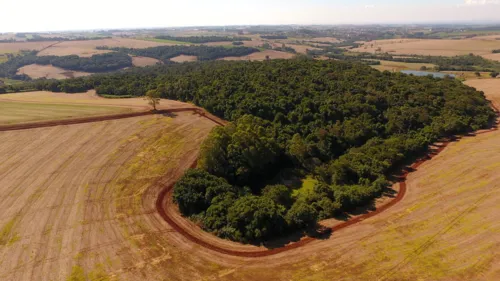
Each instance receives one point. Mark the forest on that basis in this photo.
(346, 125)
(203, 39)
(96, 63)
(165, 53)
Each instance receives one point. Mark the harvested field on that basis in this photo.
(260, 56)
(492, 56)
(87, 48)
(89, 98)
(301, 49)
(431, 47)
(49, 71)
(144, 61)
(19, 112)
(445, 228)
(184, 58)
(16, 47)
(398, 66)
(77, 201)
(325, 39)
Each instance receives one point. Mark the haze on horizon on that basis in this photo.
(59, 15)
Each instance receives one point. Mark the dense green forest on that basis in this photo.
(456, 63)
(165, 53)
(346, 124)
(203, 39)
(96, 63)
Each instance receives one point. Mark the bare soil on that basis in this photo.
(49, 71)
(144, 61)
(184, 58)
(433, 47)
(87, 48)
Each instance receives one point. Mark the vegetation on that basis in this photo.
(346, 124)
(202, 39)
(153, 98)
(496, 51)
(165, 53)
(96, 63)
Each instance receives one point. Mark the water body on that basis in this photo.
(425, 73)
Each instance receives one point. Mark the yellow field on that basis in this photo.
(431, 47)
(49, 71)
(398, 66)
(18, 112)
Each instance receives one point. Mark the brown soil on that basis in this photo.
(431, 47)
(87, 48)
(184, 58)
(144, 61)
(49, 71)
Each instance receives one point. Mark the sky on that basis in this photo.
(57, 15)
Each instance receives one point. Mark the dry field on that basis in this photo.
(87, 48)
(260, 56)
(23, 112)
(431, 47)
(89, 98)
(79, 201)
(144, 61)
(492, 56)
(22, 46)
(184, 58)
(398, 66)
(49, 71)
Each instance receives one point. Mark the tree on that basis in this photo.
(301, 215)
(153, 98)
(494, 74)
(477, 73)
(423, 68)
(255, 218)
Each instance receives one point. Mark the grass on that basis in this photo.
(163, 41)
(307, 187)
(18, 112)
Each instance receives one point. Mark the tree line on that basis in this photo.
(344, 123)
(203, 39)
(96, 63)
(165, 53)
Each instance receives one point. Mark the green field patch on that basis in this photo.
(306, 188)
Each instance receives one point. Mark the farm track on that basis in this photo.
(167, 192)
(168, 189)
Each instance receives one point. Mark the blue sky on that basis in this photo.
(48, 15)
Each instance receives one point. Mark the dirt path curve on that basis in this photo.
(167, 191)
(165, 197)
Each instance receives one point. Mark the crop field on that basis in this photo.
(49, 71)
(14, 48)
(144, 61)
(184, 58)
(398, 66)
(19, 112)
(431, 47)
(78, 201)
(88, 48)
(89, 98)
(260, 56)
